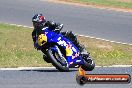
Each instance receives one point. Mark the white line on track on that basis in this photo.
(28, 68)
(19, 25)
(46, 68)
(106, 40)
(79, 35)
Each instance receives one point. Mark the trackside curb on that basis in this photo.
(46, 68)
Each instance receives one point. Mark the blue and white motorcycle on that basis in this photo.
(61, 52)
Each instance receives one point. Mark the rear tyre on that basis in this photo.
(89, 64)
(61, 67)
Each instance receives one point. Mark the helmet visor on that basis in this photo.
(36, 24)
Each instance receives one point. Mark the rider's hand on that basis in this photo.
(59, 26)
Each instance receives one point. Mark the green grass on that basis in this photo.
(107, 53)
(16, 49)
(109, 3)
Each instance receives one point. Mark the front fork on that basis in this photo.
(61, 56)
(56, 49)
(71, 62)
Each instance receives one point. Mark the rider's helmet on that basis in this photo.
(38, 21)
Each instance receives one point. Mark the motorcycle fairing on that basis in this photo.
(72, 52)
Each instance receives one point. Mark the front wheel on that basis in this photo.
(60, 63)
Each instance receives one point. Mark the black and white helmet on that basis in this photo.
(38, 20)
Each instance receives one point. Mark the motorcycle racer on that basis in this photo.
(39, 22)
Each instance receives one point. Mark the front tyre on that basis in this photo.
(60, 64)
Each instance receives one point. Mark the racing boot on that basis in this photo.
(46, 59)
(83, 51)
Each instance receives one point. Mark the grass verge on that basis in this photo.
(107, 53)
(108, 3)
(16, 49)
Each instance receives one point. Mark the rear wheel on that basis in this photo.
(59, 62)
(89, 64)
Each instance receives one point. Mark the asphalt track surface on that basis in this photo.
(52, 78)
(112, 25)
(106, 24)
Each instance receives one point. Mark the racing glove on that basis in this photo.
(58, 27)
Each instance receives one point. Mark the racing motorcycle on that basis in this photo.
(61, 52)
